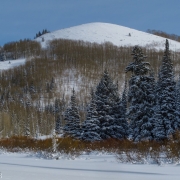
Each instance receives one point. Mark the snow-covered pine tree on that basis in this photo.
(59, 107)
(124, 101)
(165, 118)
(106, 97)
(28, 105)
(32, 88)
(67, 127)
(52, 84)
(141, 97)
(72, 119)
(91, 126)
(3, 56)
(177, 125)
(120, 121)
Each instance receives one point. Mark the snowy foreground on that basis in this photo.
(97, 166)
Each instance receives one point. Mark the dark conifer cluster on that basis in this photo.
(148, 110)
(44, 31)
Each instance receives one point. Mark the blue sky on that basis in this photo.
(21, 19)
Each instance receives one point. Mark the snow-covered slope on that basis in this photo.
(105, 32)
(4, 65)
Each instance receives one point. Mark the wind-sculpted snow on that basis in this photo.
(104, 32)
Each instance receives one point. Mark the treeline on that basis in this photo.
(21, 49)
(34, 96)
(44, 31)
(164, 34)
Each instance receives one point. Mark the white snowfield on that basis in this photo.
(16, 166)
(106, 32)
(4, 65)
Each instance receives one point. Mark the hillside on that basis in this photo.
(106, 32)
(31, 91)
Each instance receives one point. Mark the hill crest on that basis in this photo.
(98, 32)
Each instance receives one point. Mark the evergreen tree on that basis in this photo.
(32, 88)
(178, 104)
(140, 97)
(91, 126)
(52, 84)
(72, 118)
(58, 109)
(124, 101)
(39, 34)
(106, 97)
(3, 56)
(165, 118)
(120, 121)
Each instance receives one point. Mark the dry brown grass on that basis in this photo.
(126, 151)
(65, 144)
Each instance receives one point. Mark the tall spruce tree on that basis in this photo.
(57, 109)
(165, 118)
(106, 97)
(91, 126)
(178, 104)
(140, 97)
(123, 106)
(121, 129)
(72, 118)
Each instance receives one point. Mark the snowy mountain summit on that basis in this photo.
(106, 32)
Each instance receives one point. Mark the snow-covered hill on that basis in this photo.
(105, 32)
